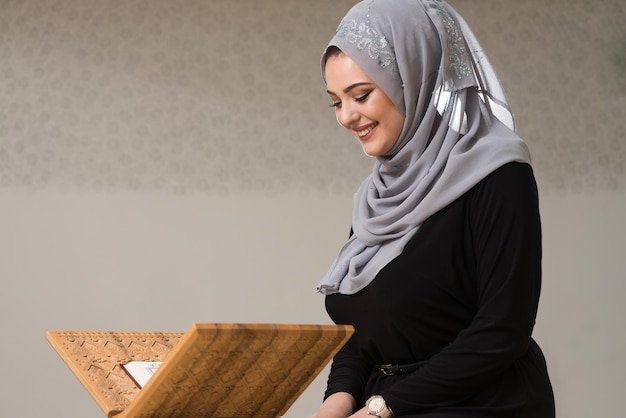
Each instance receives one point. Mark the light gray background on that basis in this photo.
(163, 163)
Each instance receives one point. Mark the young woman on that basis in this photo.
(441, 274)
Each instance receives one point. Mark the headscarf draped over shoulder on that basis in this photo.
(458, 126)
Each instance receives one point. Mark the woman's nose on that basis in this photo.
(347, 115)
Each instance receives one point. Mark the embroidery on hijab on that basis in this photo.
(459, 58)
(365, 37)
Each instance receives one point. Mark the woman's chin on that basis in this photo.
(371, 151)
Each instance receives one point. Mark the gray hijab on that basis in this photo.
(458, 127)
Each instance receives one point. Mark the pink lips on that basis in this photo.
(371, 127)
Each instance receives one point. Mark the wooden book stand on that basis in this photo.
(212, 370)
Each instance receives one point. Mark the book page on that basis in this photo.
(141, 371)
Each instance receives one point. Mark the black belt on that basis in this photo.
(393, 369)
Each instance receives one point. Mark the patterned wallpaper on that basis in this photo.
(225, 96)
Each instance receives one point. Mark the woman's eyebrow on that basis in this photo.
(352, 87)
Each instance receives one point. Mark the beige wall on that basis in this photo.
(163, 163)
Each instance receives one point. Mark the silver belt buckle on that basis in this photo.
(389, 369)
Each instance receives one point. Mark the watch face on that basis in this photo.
(376, 404)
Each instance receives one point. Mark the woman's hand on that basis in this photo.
(362, 413)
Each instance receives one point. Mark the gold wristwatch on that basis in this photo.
(376, 405)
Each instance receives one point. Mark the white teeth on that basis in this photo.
(367, 130)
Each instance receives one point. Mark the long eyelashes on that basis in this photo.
(359, 99)
(364, 97)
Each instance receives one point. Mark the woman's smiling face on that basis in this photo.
(361, 106)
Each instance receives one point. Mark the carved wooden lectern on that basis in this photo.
(212, 370)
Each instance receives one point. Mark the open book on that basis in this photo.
(141, 371)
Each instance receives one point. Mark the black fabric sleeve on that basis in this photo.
(506, 235)
(348, 373)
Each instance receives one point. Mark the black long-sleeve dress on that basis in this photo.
(462, 298)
